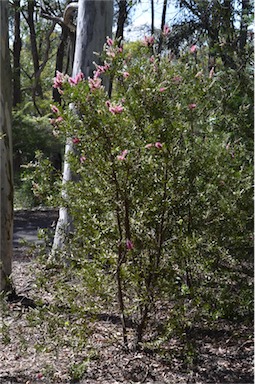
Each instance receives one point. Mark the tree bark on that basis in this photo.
(152, 17)
(65, 49)
(163, 22)
(16, 55)
(37, 91)
(122, 17)
(94, 24)
(6, 176)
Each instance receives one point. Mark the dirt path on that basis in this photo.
(27, 223)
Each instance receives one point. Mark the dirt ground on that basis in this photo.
(224, 354)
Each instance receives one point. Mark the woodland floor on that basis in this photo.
(224, 353)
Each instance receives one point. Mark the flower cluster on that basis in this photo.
(129, 245)
(193, 49)
(112, 49)
(58, 80)
(77, 79)
(123, 155)
(76, 140)
(192, 106)
(157, 145)
(95, 83)
(149, 41)
(166, 30)
(101, 69)
(114, 109)
(54, 109)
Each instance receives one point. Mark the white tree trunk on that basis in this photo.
(6, 179)
(94, 24)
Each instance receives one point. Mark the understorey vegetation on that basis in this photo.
(161, 201)
(161, 208)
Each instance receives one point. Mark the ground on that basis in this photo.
(223, 353)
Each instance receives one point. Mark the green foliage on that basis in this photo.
(77, 371)
(43, 180)
(162, 202)
(33, 140)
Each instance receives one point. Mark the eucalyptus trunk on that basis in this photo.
(94, 24)
(6, 177)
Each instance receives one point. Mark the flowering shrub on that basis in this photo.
(162, 198)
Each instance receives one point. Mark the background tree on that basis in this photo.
(94, 24)
(222, 24)
(29, 16)
(6, 182)
(16, 55)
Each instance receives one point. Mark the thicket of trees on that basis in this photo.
(160, 133)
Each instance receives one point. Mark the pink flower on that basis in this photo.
(126, 74)
(109, 41)
(94, 83)
(192, 106)
(72, 81)
(193, 49)
(54, 109)
(162, 89)
(166, 30)
(101, 69)
(114, 109)
(148, 41)
(106, 66)
(78, 78)
(76, 140)
(148, 145)
(58, 80)
(129, 244)
(123, 155)
(158, 145)
(59, 119)
(82, 159)
(97, 73)
(152, 59)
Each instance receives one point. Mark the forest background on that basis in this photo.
(161, 201)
